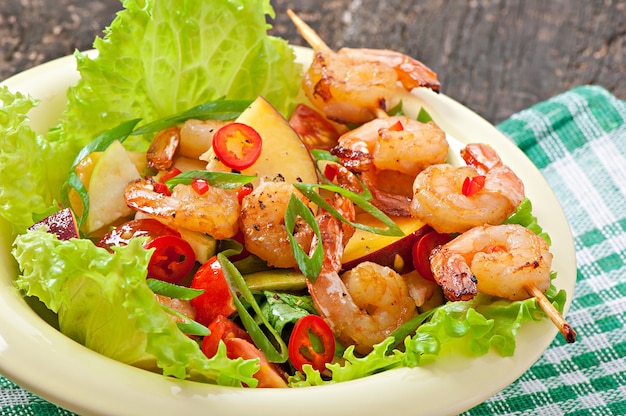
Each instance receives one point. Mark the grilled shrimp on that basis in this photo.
(367, 303)
(216, 212)
(263, 225)
(499, 260)
(439, 201)
(354, 85)
(388, 153)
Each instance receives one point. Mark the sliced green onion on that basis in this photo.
(187, 325)
(215, 110)
(224, 180)
(171, 290)
(409, 327)
(310, 266)
(324, 155)
(423, 116)
(99, 144)
(268, 341)
(391, 229)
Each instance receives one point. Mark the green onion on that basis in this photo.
(324, 155)
(268, 341)
(215, 110)
(309, 266)
(99, 144)
(423, 116)
(391, 229)
(224, 180)
(187, 325)
(171, 290)
(409, 327)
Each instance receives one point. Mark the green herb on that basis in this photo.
(423, 116)
(310, 266)
(186, 324)
(171, 290)
(409, 327)
(215, 110)
(224, 180)
(99, 144)
(324, 155)
(268, 341)
(391, 229)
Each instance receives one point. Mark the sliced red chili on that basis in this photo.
(237, 145)
(311, 342)
(397, 126)
(330, 171)
(243, 191)
(172, 260)
(200, 186)
(169, 175)
(161, 188)
(473, 184)
(422, 250)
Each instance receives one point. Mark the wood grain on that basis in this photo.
(495, 56)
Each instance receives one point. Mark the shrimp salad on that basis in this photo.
(261, 224)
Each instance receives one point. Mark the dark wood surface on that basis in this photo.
(494, 56)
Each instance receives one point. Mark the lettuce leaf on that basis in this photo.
(103, 302)
(24, 162)
(159, 58)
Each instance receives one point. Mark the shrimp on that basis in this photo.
(389, 152)
(354, 85)
(498, 260)
(216, 212)
(263, 225)
(367, 303)
(438, 199)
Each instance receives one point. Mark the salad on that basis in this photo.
(128, 281)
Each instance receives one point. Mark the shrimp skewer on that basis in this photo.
(439, 201)
(358, 85)
(508, 261)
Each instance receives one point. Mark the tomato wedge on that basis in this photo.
(311, 342)
(422, 250)
(217, 298)
(172, 260)
(237, 145)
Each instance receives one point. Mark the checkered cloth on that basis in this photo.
(578, 141)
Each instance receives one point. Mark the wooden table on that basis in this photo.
(495, 56)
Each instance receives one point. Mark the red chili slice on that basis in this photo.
(422, 250)
(237, 145)
(172, 260)
(303, 349)
(200, 186)
(144, 227)
(473, 184)
(243, 191)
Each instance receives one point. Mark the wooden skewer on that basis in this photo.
(566, 330)
(307, 32)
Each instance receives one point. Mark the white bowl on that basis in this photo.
(36, 356)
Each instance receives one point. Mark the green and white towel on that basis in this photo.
(578, 141)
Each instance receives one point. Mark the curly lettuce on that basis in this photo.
(157, 58)
(104, 303)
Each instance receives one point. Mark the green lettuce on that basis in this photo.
(103, 302)
(157, 58)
